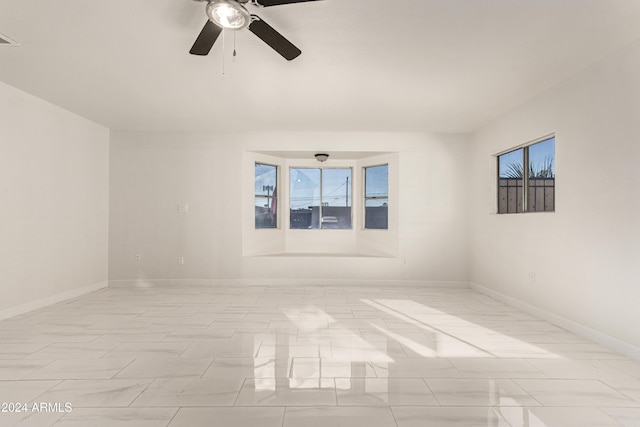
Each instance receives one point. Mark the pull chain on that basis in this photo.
(234, 45)
(223, 50)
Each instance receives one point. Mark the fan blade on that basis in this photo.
(267, 34)
(267, 3)
(206, 39)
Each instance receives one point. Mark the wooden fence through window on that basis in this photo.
(541, 195)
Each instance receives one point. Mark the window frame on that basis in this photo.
(270, 198)
(321, 203)
(525, 176)
(365, 198)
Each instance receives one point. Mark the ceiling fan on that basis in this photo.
(232, 15)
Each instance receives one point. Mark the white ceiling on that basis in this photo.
(366, 65)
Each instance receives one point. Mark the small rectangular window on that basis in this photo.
(320, 198)
(266, 196)
(376, 197)
(530, 189)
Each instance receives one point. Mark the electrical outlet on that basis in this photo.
(183, 208)
(181, 260)
(532, 278)
(138, 257)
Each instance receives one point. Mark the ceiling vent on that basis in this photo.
(6, 41)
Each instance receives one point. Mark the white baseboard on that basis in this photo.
(40, 303)
(149, 283)
(599, 337)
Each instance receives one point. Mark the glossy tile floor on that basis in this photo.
(305, 357)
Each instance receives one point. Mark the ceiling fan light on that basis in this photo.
(228, 14)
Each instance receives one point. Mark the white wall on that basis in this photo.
(586, 255)
(54, 199)
(152, 173)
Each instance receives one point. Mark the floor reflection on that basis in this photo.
(384, 338)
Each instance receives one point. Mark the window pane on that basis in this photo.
(265, 185)
(376, 191)
(376, 181)
(265, 182)
(541, 186)
(266, 212)
(336, 198)
(304, 198)
(510, 182)
(376, 214)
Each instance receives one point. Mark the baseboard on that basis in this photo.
(596, 336)
(149, 283)
(34, 305)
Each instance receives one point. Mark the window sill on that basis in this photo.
(318, 255)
